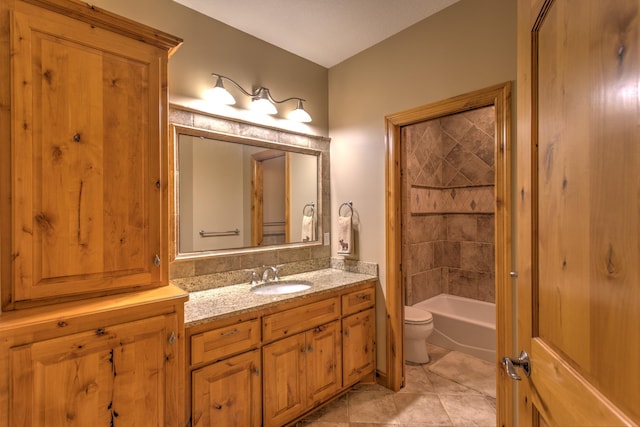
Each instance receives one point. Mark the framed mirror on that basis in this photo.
(235, 193)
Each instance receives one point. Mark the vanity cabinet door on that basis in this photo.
(358, 333)
(301, 372)
(285, 381)
(324, 362)
(89, 180)
(228, 393)
(117, 375)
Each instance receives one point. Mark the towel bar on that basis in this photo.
(235, 232)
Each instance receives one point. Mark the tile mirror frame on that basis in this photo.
(232, 265)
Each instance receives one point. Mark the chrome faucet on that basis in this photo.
(265, 274)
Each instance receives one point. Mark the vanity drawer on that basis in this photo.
(220, 342)
(358, 300)
(299, 319)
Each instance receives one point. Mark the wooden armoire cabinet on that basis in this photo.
(91, 333)
(87, 179)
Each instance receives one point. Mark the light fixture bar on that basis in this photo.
(261, 99)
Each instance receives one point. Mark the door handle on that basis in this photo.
(521, 362)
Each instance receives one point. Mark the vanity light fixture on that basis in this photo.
(261, 99)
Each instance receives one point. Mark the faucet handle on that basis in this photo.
(255, 277)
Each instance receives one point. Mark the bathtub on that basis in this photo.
(463, 324)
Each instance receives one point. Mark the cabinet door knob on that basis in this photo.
(346, 333)
(172, 338)
(156, 260)
(76, 137)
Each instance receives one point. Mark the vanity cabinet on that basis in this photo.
(104, 361)
(87, 186)
(225, 373)
(91, 333)
(358, 335)
(228, 393)
(301, 353)
(358, 345)
(300, 372)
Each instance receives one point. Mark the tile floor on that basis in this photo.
(428, 399)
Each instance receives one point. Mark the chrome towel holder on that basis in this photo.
(310, 205)
(349, 205)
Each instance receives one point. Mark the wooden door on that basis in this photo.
(111, 376)
(228, 393)
(284, 381)
(359, 345)
(578, 211)
(324, 362)
(87, 193)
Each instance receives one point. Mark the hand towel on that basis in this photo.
(308, 230)
(345, 235)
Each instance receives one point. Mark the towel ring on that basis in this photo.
(311, 206)
(348, 204)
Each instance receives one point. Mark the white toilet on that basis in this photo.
(418, 325)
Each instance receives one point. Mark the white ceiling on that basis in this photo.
(323, 31)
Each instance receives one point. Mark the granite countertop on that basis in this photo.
(216, 303)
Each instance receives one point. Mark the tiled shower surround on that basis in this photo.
(448, 190)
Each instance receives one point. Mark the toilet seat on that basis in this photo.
(416, 316)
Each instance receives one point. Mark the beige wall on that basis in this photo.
(211, 46)
(468, 46)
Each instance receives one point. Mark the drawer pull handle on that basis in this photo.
(172, 338)
(362, 296)
(257, 372)
(229, 333)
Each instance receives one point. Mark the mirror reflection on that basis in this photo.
(234, 194)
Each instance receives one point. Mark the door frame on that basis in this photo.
(257, 193)
(500, 97)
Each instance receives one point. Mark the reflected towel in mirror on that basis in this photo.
(308, 230)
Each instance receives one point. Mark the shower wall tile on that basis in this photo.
(486, 228)
(483, 119)
(487, 287)
(454, 200)
(424, 285)
(476, 256)
(426, 228)
(422, 256)
(447, 254)
(448, 182)
(456, 125)
(462, 227)
(463, 283)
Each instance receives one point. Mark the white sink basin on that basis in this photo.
(281, 287)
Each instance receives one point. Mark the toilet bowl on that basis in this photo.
(418, 325)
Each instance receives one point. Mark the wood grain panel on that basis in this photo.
(87, 158)
(228, 393)
(225, 341)
(93, 377)
(284, 380)
(588, 222)
(358, 346)
(324, 362)
(298, 319)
